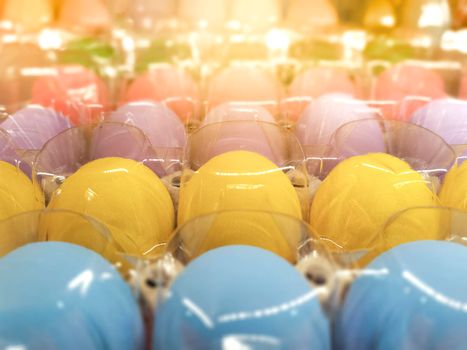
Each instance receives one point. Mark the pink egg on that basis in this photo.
(172, 87)
(84, 15)
(68, 85)
(463, 90)
(410, 85)
(318, 81)
(313, 83)
(245, 84)
(237, 112)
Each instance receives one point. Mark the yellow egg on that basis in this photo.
(124, 195)
(357, 198)
(246, 188)
(17, 193)
(454, 191)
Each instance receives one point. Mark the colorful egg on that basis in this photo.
(162, 126)
(227, 298)
(167, 85)
(237, 180)
(31, 127)
(324, 116)
(411, 297)
(409, 85)
(366, 191)
(69, 85)
(51, 290)
(445, 117)
(318, 81)
(17, 193)
(245, 84)
(124, 195)
(229, 112)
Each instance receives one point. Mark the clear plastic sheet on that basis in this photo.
(55, 280)
(9, 153)
(452, 192)
(286, 236)
(283, 235)
(54, 226)
(29, 129)
(64, 86)
(83, 170)
(31, 75)
(226, 161)
(377, 176)
(424, 150)
(18, 193)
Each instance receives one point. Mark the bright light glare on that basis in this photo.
(50, 39)
(278, 39)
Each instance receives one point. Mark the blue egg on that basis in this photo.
(412, 297)
(62, 296)
(242, 298)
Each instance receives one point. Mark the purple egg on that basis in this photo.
(162, 126)
(421, 148)
(326, 114)
(446, 117)
(322, 118)
(267, 139)
(31, 127)
(238, 112)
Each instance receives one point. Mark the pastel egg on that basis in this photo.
(241, 305)
(245, 84)
(124, 195)
(74, 291)
(167, 85)
(31, 127)
(407, 299)
(409, 85)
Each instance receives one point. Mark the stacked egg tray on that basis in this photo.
(233, 175)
